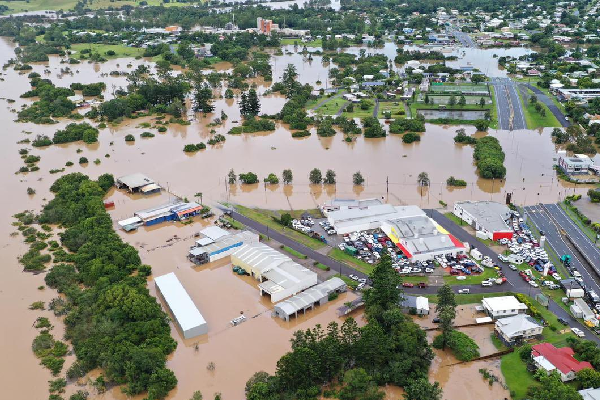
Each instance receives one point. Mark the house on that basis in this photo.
(504, 306)
(517, 329)
(487, 217)
(419, 303)
(308, 299)
(549, 358)
(177, 300)
(590, 394)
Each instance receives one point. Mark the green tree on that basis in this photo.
(357, 178)
(315, 177)
(197, 395)
(253, 103)
(452, 101)
(588, 378)
(462, 101)
(329, 177)
(289, 80)
(385, 292)
(203, 98)
(358, 384)
(446, 309)
(231, 177)
(423, 179)
(551, 388)
(533, 99)
(482, 102)
(287, 176)
(421, 389)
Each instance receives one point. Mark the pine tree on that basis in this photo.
(253, 103)
(244, 106)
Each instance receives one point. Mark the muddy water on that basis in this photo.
(219, 294)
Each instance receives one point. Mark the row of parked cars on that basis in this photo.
(369, 246)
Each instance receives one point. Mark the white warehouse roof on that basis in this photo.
(179, 302)
(504, 303)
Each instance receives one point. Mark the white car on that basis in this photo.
(464, 291)
(461, 278)
(578, 332)
(353, 277)
(532, 283)
(486, 283)
(429, 270)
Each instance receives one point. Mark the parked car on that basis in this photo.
(562, 321)
(464, 291)
(486, 283)
(513, 267)
(436, 320)
(408, 285)
(422, 285)
(578, 332)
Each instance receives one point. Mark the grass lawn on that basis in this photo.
(351, 261)
(535, 119)
(264, 217)
(119, 49)
(414, 279)
(314, 43)
(469, 298)
(351, 283)
(471, 279)
(293, 252)
(322, 266)
(297, 214)
(585, 229)
(358, 112)
(516, 376)
(493, 110)
(331, 107)
(233, 222)
(395, 109)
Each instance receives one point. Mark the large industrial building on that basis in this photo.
(279, 276)
(174, 211)
(137, 183)
(308, 299)
(353, 219)
(345, 204)
(185, 313)
(209, 250)
(487, 217)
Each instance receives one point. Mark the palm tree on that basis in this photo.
(423, 180)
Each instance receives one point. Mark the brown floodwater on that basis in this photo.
(219, 294)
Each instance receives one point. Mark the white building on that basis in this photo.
(501, 307)
(419, 303)
(209, 250)
(578, 164)
(518, 328)
(185, 314)
(590, 394)
(308, 299)
(487, 217)
(279, 276)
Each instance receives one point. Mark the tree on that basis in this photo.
(202, 98)
(244, 105)
(481, 125)
(358, 384)
(384, 293)
(329, 177)
(594, 195)
(551, 388)
(197, 395)
(533, 99)
(421, 389)
(289, 80)
(231, 177)
(426, 99)
(588, 378)
(423, 179)
(253, 103)
(248, 178)
(482, 102)
(287, 176)
(272, 179)
(315, 176)
(357, 178)
(446, 309)
(462, 101)
(452, 101)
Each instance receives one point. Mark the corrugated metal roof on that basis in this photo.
(179, 301)
(310, 296)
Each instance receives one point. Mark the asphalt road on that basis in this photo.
(464, 38)
(585, 245)
(507, 97)
(550, 104)
(543, 221)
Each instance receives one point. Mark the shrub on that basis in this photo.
(462, 137)
(249, 178)
(463, 347)
(83, 160)
(76, 132)
(41, 141)
(130, 138)
(411, 137)
(162, 129)
(272, 179)
(192, 148)
(406, 125)
(147, 135)
(303, 133)
(452, 181)
(489, 158)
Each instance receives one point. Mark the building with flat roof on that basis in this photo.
(134, 183)
(308, 299)
(354, 219)
(279, 275)
(487, 217)
(504, 306)
(549, 358)
(578, 164)
(173, 211)
(344, 204)
(517, 329)
(577, 94)
(208, 250)
(179, 303)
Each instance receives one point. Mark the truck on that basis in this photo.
(575, 293)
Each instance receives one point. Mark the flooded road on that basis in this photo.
(220, 295)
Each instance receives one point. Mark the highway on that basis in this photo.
(543, 221)
(584, 243)
(508, 105)
(464, 38)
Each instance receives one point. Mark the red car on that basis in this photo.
(408, 284)
(422, 285)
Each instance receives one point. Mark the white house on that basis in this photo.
(514, 330)
(501, 307)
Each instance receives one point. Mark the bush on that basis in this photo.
(411, 137)
(249, 178)
(373, 128)
(462, 137)
(489, 158)
(192, 148)
(594, 195)
(130, 138)
(452, 181)
(216, 139)
(41, 141)
(253, 125)
(272, 179)
(406, 125)
(463, 347)
(83, 160)
(147, 135)
(76, 132)
(303, 133)
(162, 129)
(481, 125)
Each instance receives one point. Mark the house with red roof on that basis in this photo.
(549, 358)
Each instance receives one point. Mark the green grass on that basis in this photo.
(471, 298)
(414, 279)
(322, 267)
(358, 112)
(497, 342)
(297, 214)
(351, 261)
(585, 229)
(516, 376)
(471, 279)
(535, 119)
(314, 43)
(389, 106)
(351, 283)
(332, 106)
(119, 49)
(235, 224)
(494, 109)
(265, 218)
(293, 252)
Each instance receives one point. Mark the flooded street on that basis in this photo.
(219, 294)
